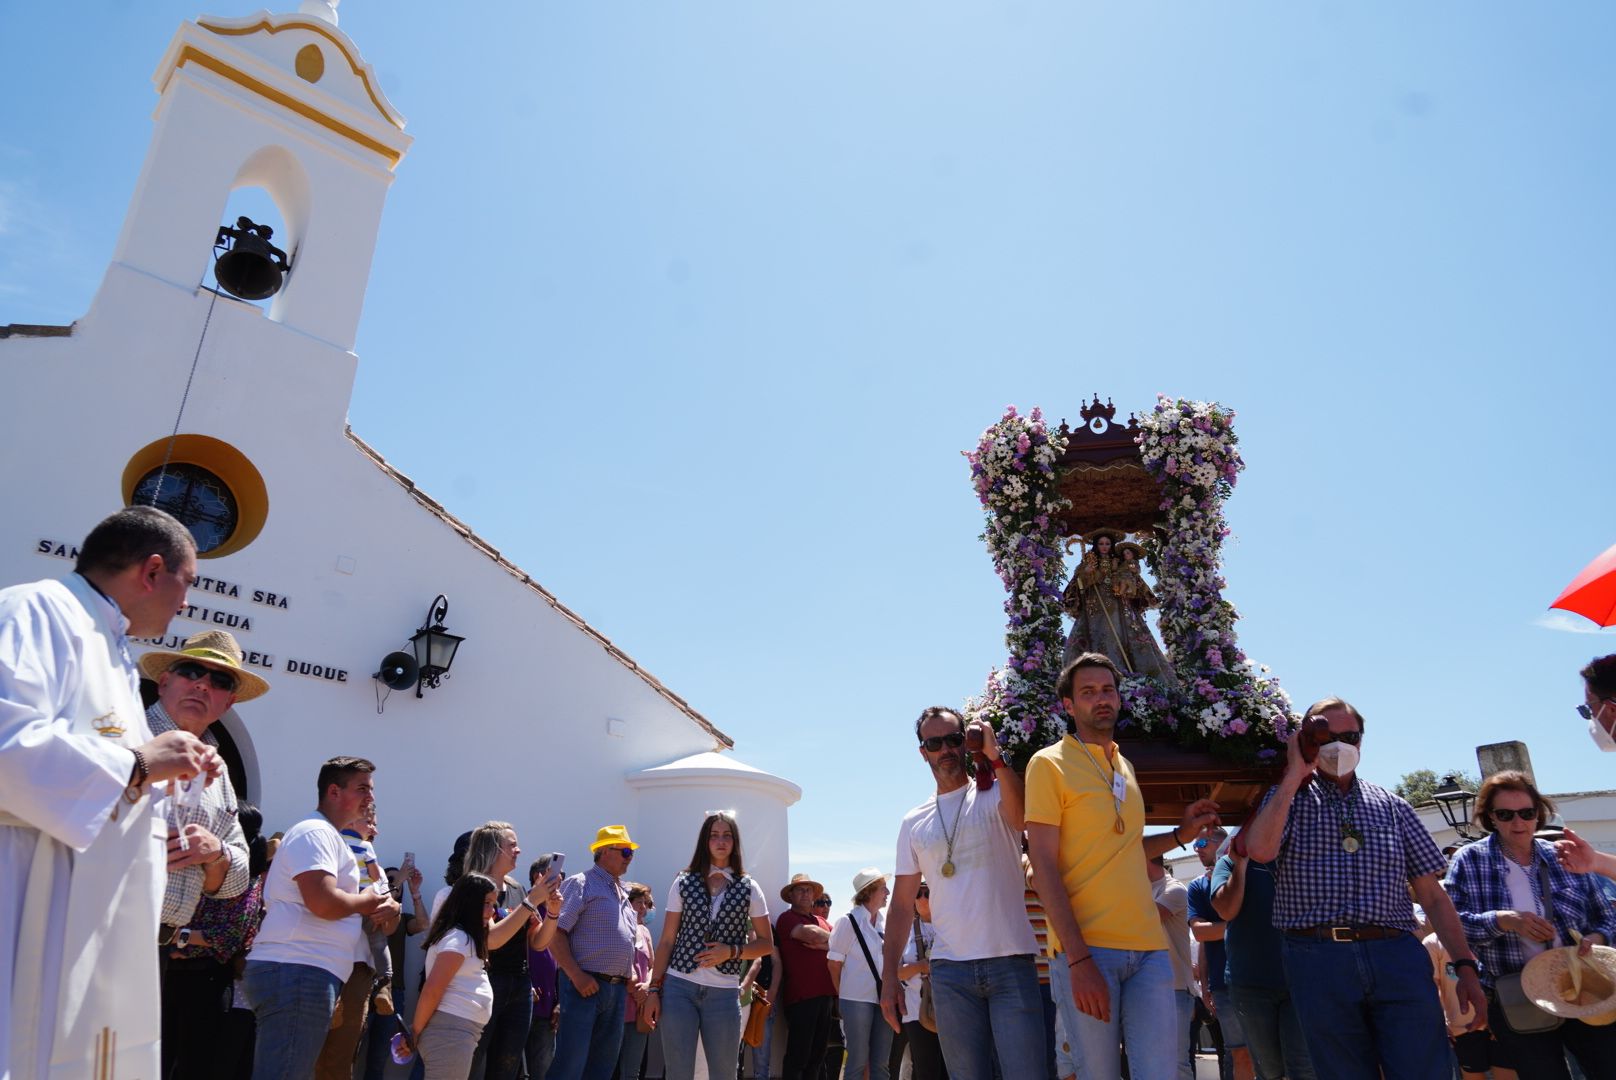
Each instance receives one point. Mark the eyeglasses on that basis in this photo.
(1588, 714)
(953, 740)
(1501, 814)
(822, 903)
(194, 672)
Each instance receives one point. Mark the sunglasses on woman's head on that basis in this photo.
(953, 740)
(1501, 814)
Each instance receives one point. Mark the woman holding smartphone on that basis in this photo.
(716, 920)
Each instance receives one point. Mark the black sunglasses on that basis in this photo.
(1588, 714)
(1501, 814)
(822, 903)
(190, 669)
(952, 740)
(1351, 738)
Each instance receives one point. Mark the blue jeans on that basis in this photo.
(987, 1006)
(1142, 1009)
(1273, 1032)
(1186, 1013)
(1368, 1008)
(591, 1031)
(540, 1047)
(293, 1004)
(500, 1049)
(690, 1009)
(631, 1058)
(868, 1039)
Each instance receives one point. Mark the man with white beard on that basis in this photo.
(1346, 854)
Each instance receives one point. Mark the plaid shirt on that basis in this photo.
(217, 814)
(1319, 883)
(1477, 887)
(600, 925)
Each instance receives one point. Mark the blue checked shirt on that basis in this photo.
(1476, 885)
(1319, 883)
(599, 923)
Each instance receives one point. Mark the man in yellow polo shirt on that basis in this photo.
(1112, 977)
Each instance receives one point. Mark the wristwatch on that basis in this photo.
(1471, 964)
(182, 937)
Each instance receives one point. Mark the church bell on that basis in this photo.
(250, 267)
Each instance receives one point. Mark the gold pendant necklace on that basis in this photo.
(948, 862)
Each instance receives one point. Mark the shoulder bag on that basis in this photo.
(928, 1011)
(852, 918)
(1521, 1013)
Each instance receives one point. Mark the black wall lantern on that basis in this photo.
(1456, 803)
(248, 266)
(434, 646)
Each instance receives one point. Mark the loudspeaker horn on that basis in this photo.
(399, 671)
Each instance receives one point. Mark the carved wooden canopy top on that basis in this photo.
(1103, 475)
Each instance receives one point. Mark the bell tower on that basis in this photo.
(284, 103)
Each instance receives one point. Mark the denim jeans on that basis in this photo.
(631, 1058)
(293, 1004)
(1142, 1009)
(868, 1038)
(1368, 1008)
(1234, 1032)
(690, 1009)
(540, 1048)
(499, 1051)
(1186, 1013)
(988, 1006)
(1273, 1033)
(591, 1031)
(763, 1056)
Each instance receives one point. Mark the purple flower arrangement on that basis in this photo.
(1229, 706)
(1013, 471)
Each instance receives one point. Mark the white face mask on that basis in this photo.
(1338, 758)
(1601, 737)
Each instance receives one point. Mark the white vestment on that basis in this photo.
(81, 868)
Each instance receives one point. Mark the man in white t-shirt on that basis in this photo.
(967, 844)
(313, 931)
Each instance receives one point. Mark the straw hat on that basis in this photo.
(1129, 545)
(867, 877)
(1117, 536)
(215, 649)
(612, 836)
(1548, 975)
(799, 879)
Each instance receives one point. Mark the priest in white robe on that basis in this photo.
(82, 844)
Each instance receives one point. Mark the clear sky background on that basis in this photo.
(691, 307)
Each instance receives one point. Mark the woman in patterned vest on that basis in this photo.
(715, 921)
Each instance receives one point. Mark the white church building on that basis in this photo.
(319, 556)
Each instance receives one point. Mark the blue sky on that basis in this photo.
(704, 300)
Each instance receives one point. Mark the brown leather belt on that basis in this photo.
(598, 977)
(1347, 933)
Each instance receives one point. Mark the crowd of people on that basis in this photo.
(1029, 929)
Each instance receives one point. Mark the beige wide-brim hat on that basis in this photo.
(1547, 978)
(800, 879)
(211, 648)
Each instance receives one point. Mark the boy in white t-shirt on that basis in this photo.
(315, 904)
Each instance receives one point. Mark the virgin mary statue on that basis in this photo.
(1107, 598)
